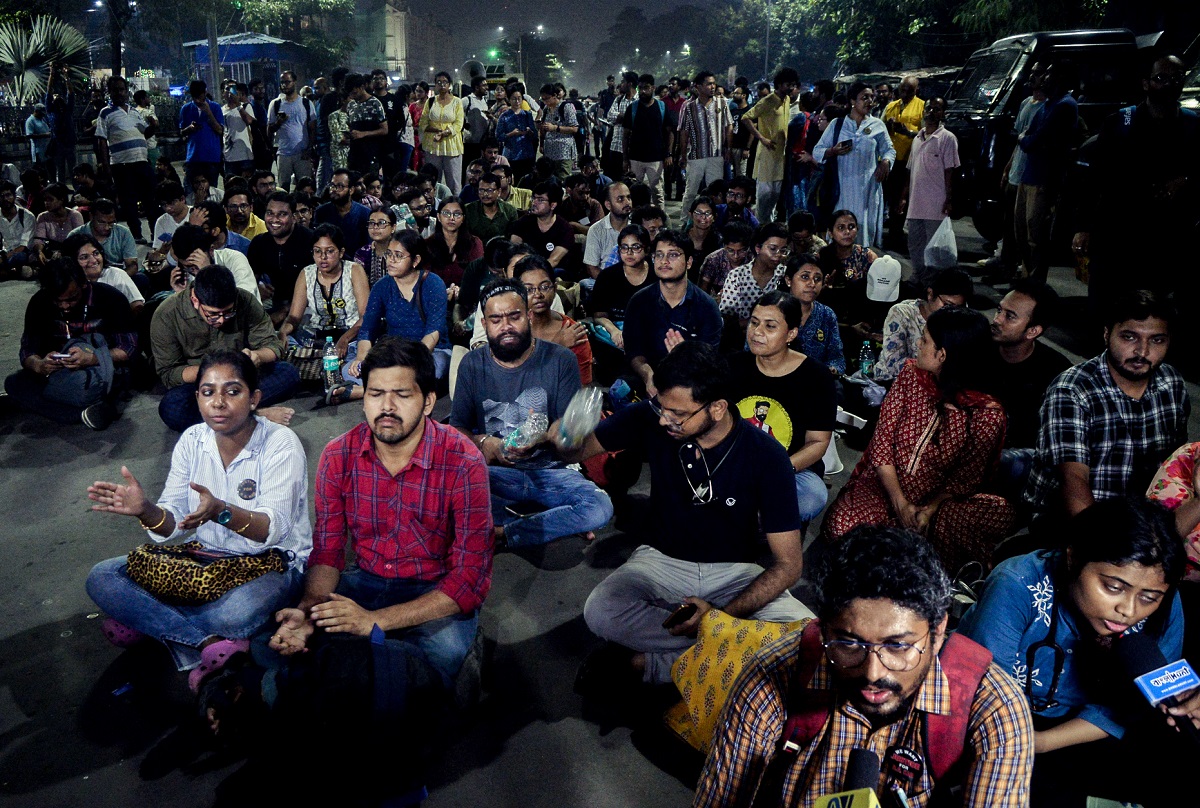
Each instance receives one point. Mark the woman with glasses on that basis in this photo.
(517, 132)
(938, 439)
(451, 247)
(702, 232)
(765, 273)
(736, 237)
(537, 275)
(441, 130)
(380, 226)
(409, 303)
(1057, 622)
(330, 296)
(616, 284)
(859, 148)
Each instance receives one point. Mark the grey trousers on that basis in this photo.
(629, 606)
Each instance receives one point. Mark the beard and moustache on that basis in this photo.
(508, 352)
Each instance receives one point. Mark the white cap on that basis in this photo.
(883, 280)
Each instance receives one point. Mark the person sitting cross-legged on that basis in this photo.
(500, 386)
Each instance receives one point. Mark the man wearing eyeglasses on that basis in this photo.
(877, 672)
(500, 386)
(342, 210)
(490, 216)
(717, 485)
(661, 317)
(239, 212)
(212, 314)
(542, 228)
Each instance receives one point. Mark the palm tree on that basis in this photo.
(29, 48)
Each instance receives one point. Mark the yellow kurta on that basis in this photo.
(440, 117)
(771, 116)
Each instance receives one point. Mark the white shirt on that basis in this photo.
(239, 265)
(269, 476)
(236, 143)
(17, 231)
(119, 279)
(165, 227)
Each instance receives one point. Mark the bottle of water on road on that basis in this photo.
(331, 366)
(866, 360)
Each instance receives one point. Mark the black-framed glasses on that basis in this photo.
(214, 317)
(668, 416)
(541, 289)
(631, 249)
(895, 656)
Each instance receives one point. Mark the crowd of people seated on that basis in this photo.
(489, 248)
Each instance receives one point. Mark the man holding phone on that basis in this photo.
(202, 122)
(715, 482)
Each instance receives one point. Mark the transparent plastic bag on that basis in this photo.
(581, 417)
(942, 250)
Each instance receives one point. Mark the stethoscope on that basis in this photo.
(1040, 704)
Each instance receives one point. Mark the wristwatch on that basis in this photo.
(225, 516)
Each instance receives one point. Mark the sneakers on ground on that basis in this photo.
(98, 416)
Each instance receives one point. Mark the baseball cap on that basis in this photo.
(883, 280)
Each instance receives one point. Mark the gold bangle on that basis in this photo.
(246, 526)
(161, 522)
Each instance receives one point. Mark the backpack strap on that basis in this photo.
(807, 709)
(964, 662)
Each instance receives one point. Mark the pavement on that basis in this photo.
(78, 717)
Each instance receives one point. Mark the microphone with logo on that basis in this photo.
(858, 787)
(1159, 681)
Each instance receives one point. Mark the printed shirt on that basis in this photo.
(998, 751)
(716, 269)
(901, 332)
(269, 475)
(124, 128)
(820, 338)
(558, 145)
(616, 114)
(1087, 419)
(430, 522)
(705, 127)
(1016, 609)
(741, 290)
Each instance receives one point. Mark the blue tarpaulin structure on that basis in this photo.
(248, 55)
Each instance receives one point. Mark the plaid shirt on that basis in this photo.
(1087, 419)
(999, 740)
(430, 522)
(616, 114)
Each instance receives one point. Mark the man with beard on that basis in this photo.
(717, 485)
(342, 210)
(501, 390)
(876, 671)
(1023, 370)
(1108, 423)
(411, 497)
(601, 241)
(279, 255)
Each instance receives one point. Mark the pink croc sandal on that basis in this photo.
(212, 658)
(120, 634)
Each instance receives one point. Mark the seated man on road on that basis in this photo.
(120, 250)
(191, 250)
(880, 653)
(500, 386)
(716, 485)
(905, 321)
(211, 216)
(211, 313)
(78, 335)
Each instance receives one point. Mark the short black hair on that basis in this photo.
(876, 562)
(103, 205)
(215, 287)
(743, 182)
(737, 231)
(952, 282)
(797, 261)
(675, 238)
(332, 232)
(168, 191)
(786, 75)
(770, 230)
(57, 275)
(1045, 299)
(647, 212)
(237, 360)
(532, 263)
(552, 190)
(284, 197)
(499, 251)
(215, 213)
(398, 352)
(801, 221)
(1138, 305)
(697, 367)
(188, 238)
(645, 78)
(789, 306)
(353, 81)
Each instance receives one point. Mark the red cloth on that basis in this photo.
(431, 522)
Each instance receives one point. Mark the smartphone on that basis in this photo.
(680, 616)
(58, 355)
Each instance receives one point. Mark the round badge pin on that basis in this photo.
(247, 489)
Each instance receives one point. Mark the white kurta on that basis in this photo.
(858, 190)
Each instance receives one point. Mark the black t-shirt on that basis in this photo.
(741, 134)
(612, 292)
(696, 520)
(283, 263)
(560, 234)
(1021, 388)
(101, 310)
(393, 110)
(648, 143)
(804, 400)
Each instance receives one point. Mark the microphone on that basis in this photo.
(1159, 681)
(858, 786)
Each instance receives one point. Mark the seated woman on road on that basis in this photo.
(819, 338)
(617, 283)
(330, 294)
(936, 445)
(410, 303)
(538, 276)
(452, 247)
(380, 226)
(239, 484)
(1056, 621)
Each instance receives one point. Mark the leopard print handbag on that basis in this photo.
(190, 575)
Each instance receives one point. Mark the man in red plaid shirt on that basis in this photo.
(412, 497)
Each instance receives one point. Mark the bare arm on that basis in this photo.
(1077, 489)
(642, 368)
(784, 572)
(815, 444)
(296, 312)
(1068, 733)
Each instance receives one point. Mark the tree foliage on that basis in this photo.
(28, 48)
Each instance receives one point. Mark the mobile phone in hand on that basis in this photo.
(59, 356)
(680, 616)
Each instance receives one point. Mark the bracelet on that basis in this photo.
(161, 522)
(242, 530)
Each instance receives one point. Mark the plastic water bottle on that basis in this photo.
(581, 417)
(528, 433)
(331, 365)
(866, 359)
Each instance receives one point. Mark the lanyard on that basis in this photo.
(1039, 704)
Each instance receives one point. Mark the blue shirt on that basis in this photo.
(353, 224)
(401, 316)
(1015, 611)
(517, 147)
(648, 317)
(820, 339)
(1048, 145)
(204, 145)
(236, 241)
(38, 146)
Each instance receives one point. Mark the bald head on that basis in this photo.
(908, 87)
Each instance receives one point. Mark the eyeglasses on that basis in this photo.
(451, 214)
(667, 257)
(381, 223)
(773, 250)
(488, 191)
(1167, 78)
(668, 416)
(341, 186)
(895, 656)
(631, 249)
(541, 289)
(214, 317)
(235, 206)
(420, 208)
(702, 214)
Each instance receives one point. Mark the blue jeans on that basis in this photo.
(444, 643)
(236, 615)
(325, 167)
(441, 363)
(178, 408)
(1012, 472)
(811, 493)
(574, 503)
